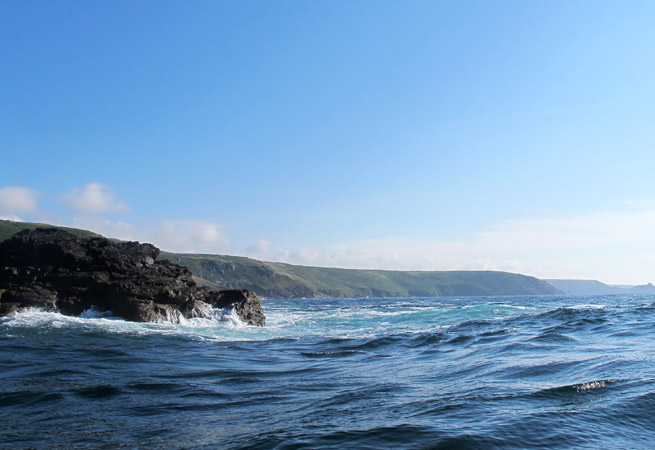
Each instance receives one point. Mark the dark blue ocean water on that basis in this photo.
(455, 373)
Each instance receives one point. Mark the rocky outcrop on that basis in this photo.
(55, 270)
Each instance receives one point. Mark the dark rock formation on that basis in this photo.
(55, 270)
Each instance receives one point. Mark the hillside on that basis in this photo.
(8, 228)
(269, 279)
(593, 287)
(286, 280)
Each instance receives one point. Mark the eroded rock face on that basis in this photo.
(55, 270)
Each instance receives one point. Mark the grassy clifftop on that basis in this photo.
(8, 228)
(269, 279)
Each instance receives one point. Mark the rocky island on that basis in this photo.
(55, 270)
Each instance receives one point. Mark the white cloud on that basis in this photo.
(614, 247)
(116, 230)
(260, 249)
(192, 236)
(11, 217)
(94, 198)
(617, 247)
(183, 236)
(17, 200)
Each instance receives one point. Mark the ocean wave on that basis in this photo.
(329, 375)
(586, 306)
(576, 388)
(206, 324)
(481, 321)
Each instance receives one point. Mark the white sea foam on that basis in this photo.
(38, 318)
(205, 315)
(95, 314)
(284, 319)
(591, 385)
(586, 306)
(369, 312)
(215, 323)
(519, 307)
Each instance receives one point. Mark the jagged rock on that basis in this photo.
(55, 270)
(245, 304)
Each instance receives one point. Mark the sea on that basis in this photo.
(508, 372)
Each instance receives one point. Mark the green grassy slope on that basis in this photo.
(8, 228)
(286, 280)
(235, 272)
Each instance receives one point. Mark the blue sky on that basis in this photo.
(436, 135)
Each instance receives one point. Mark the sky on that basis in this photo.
(420, 135)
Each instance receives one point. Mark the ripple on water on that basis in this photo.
(512, 372)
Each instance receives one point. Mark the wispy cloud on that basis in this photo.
(183, 236)
(609, 245)
(192, 236)
(11, 217)
(17, 200)
(94, 198)
(613, 246)
(261, 249)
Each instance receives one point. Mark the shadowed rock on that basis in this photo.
(57, 271)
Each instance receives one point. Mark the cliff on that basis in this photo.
(59, 271)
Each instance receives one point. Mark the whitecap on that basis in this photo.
(216, 323)
(591, 385)
(586, 306)
(95, 314)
